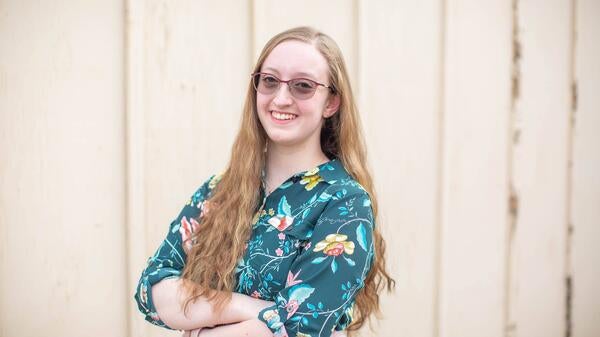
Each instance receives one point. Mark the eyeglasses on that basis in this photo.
(300, 88)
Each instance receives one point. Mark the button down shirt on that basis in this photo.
(309, 251)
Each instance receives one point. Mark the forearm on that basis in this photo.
(169, 295)
(252, 327)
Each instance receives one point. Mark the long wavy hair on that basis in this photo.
(235, 199)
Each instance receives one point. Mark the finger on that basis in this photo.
(339, 334)
(186, 333)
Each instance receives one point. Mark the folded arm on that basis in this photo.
(169, 296)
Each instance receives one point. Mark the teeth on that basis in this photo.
(283, 116)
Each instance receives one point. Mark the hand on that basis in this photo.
(339, 334)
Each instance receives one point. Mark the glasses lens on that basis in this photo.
(302, 88)
(265, 83)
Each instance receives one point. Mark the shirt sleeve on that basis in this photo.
(169, 259)
(326, 276)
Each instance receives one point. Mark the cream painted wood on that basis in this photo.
(585, 175)
(98, 153)
(539, 169)
(400, 78)
(474, 170)
(188, 78)
(135, 159)
(336, 18)
(62, 204)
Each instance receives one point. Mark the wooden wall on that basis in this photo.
(482, 121)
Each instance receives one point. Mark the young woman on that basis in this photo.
(284, 242)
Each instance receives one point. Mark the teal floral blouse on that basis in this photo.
(310, 251)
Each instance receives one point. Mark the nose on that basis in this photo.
(283, 96)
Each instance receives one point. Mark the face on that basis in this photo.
(290, 121)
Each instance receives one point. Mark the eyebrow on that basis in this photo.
(309, 75)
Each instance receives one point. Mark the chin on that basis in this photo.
(282, 141)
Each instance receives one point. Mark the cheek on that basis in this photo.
(314, 109)
(261, 103)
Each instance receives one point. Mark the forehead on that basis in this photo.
(292, 58)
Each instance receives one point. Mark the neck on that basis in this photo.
(282, 162)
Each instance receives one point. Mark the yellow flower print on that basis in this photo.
(300, 334)
(335, 245)
(271, 212)
(311, 172)
(311, 179)
(214, 181)
(350, 312)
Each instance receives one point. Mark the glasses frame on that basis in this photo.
(255, 81)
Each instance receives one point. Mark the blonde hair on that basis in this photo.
(236, 197)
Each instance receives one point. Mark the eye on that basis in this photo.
(269, 81)
(303, 85)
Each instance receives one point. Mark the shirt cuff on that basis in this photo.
(144, 295)
(274, 318)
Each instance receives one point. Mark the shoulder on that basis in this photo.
(205, 190)
(347, 201)
(347, 188)
(343, 188)
(339, 180)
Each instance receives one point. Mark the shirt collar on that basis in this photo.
(330, 171)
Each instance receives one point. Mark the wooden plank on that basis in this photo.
(62, 204)
(539, 169)
(135, 153)
(585, 197)
(474, 175)
(399, 85)
(188, 82)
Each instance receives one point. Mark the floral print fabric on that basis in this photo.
(310, 251)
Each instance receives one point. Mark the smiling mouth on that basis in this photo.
(282, 116)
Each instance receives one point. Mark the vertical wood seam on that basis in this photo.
(126, 37)
(355, 51)
(360, 76)
(437, 263)
(134, 149)
(510, 327)
(569, 179)
(251, 33)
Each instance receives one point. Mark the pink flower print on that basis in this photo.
(186, 230)
(291, 307)
(307, 246)
(281, 236)
(281, 222)
(335, 245)
(292, 279)
(335, 250)
(278, 251)
(255, 294)
(205, 208)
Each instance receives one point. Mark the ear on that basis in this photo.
(333, 104)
